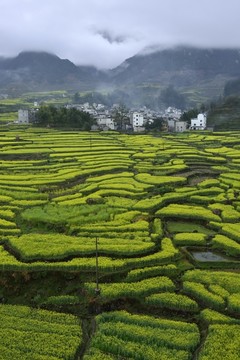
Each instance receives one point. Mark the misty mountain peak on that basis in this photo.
(199, 72)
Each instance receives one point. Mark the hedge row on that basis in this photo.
(38, 334)
(222, 342)
(169, 270)
(205, 297)
(223, 243)
(36, 246)
(172, 301)
(187, 212)
(121, 334)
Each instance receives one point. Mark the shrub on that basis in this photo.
(143, 337)
(187, 239)
(234, 303)
(140, 274)
(223, 243)
(222, 343)
(62, 300)
(188, 212)
(133, 290)
(172, 301)
(160, 180)
(214, 317)
(53, 335)
(200, 293)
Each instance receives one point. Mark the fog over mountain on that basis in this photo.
(104, 33)
(138, 47)
(197, 75)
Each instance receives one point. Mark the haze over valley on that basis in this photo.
(197, 75)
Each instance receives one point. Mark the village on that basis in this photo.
(119, 118)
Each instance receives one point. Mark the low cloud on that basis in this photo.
(119, 39)
(106, 32)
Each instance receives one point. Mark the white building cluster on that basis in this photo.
(138, 118)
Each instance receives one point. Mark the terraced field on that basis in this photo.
(135, 239)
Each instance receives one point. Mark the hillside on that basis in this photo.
(198, 75)
(117, 246)
(225, 114)
(181, 66)
(37, 71)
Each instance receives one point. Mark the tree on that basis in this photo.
(76, 98)
(188, 115)
(46, 115)
(157, 124)
(64, 118)
(232, 87)
(121, 117)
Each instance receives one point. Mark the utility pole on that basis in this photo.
(97, 290)
(90, 142)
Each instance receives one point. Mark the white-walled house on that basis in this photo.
(137, 121)
(23, 116)
(199, 123)
(175, 125)
(180, 126)
(26, 116)
(106, 122)
(171, 125)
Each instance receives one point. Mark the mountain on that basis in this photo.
(199, 74)
(232, 88)
(225, 114)
(190, 75)
(35, 71)
(179, 66)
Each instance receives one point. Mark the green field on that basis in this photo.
(164, 213)
(9, 107)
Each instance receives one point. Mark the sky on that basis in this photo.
(104, 33)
